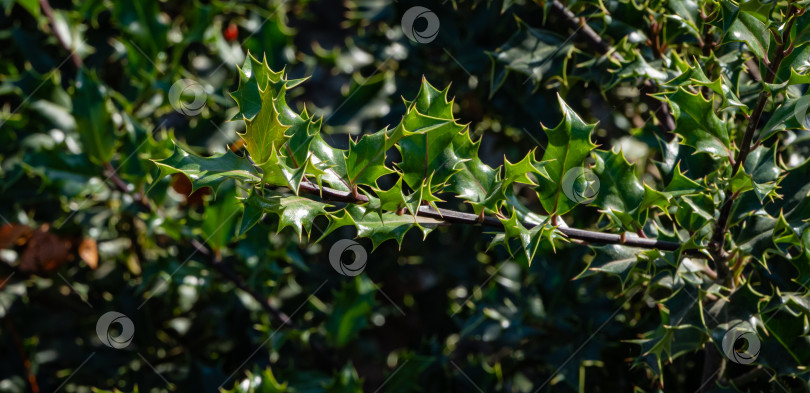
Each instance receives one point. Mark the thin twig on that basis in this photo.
(32, 378)
(456, 217)
(216, 262)
(593, 39)
(48, 11)
(718, 239)
(112, 175)
(714, 365)
(231, 275)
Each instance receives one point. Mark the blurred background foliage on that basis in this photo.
(444, 314)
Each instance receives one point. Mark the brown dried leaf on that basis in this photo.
(45, 252)
(88, 251)
(14, 235)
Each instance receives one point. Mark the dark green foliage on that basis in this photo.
(172, 162)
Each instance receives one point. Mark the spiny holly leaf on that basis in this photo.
(529, 239)
(756, 237)
(423, 194)
(264, 132)
(802, 261)
(376, 227)
(519, 172)
(535, 53)
(680, 330)
(681, 185)
(678, 186)
(395, 198)
(761, 172)
(696, 76)
(282, 171)
(791, 115)
(365, 160)
(745, 27)
(432, 101)
(795, 203)
(207, 171)
(616, 260)
(261, 97)
(309, 145)
(785, 236)
(697, 123)
(795, 68)
(429, 127)
(694, 211)
(474, 180)
(569, 144)
(391, 199)
(635, 67)
(620, 191)
(254, 77)
(292, 211)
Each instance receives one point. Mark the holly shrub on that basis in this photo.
(230, 196)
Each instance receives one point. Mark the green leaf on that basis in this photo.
(616, 260)
(695, 76)
(365, 160)
(635, 67)
(764, 174)
(280, 170)
(519, 172)
(536, 53)
(261, 382)
(395, 198)
(474, 180)
(620, 191)
(795, 68)
(264, 134)
(756, 237)
(292, 211)
(697, 123)
(378, 227)
(747, 28)
(220, 219)
(93, 121)
(429, 128)
(686, 11)
(529, 239)
(569, 144)
(791, 115)
(352, 309)
(207, 171)
(254, 76)
(681, 185)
